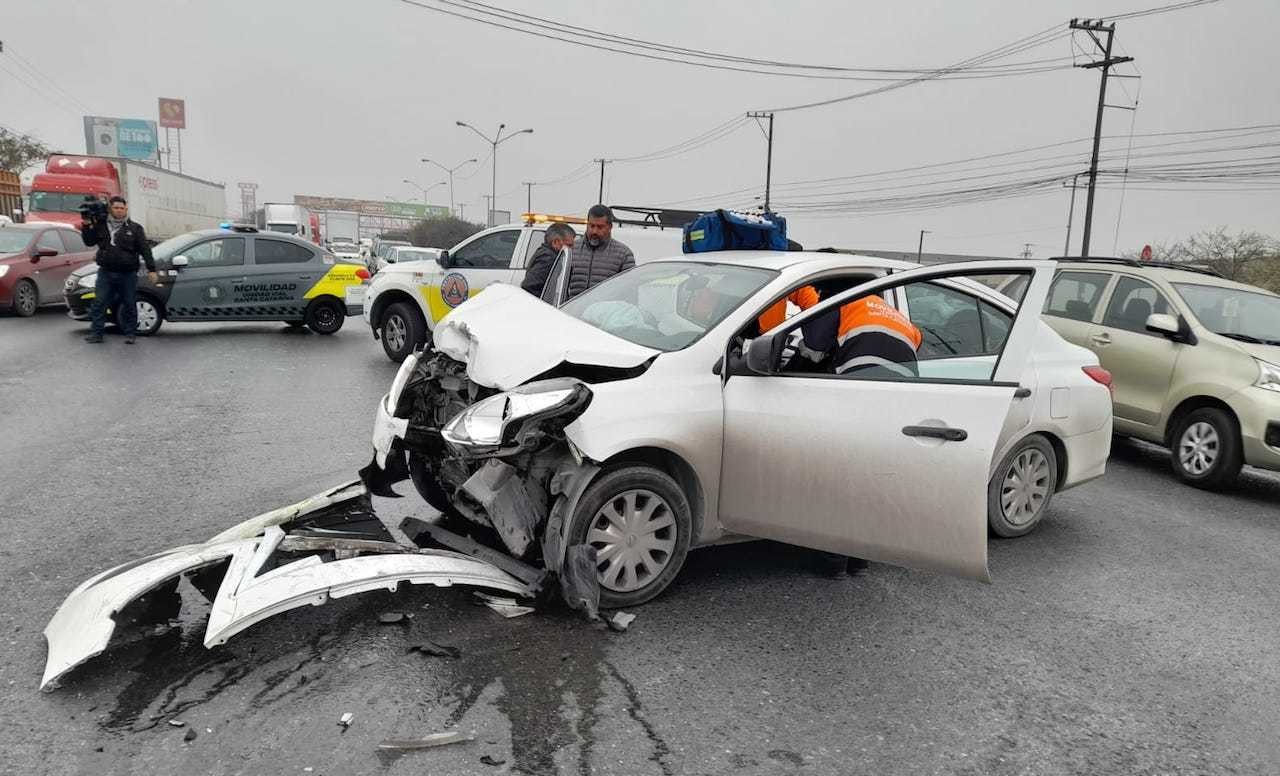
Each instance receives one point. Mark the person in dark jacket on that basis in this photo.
(557, 238)
(121, 243)
(599, 257)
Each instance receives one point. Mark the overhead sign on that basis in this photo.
(127, 138)
(173, 113)
(372, 207)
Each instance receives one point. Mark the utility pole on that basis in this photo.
(600, 198)
(488, 202)
(1071, 212)
(1092, 27)
(768, 158)
(495, 141)
(920, 247)
(461, 206)
(528, 205)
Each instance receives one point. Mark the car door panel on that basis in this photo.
(49, 272)
(203, 290)
(1075, 301)
(277, 280)
(1141, 363)
(893, 470)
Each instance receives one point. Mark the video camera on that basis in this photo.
(93, 209)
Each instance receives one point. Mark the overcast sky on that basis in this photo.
(344, 98)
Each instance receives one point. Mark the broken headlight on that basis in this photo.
(495, 422)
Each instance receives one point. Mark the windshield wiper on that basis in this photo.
(1246, 338)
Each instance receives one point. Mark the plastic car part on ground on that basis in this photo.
(334, 546)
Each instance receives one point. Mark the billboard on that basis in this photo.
(136, 139)
(173, 113)
(369, 207)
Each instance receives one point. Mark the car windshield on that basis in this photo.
(13, 240)
(54, 202)
(1248, 316)
(667, 305)
(171, 247)
(412, 255)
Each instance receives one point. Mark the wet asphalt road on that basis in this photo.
(1138, 631)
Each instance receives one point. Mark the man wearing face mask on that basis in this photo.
(558, 237)
(599, 257)
(121, 243)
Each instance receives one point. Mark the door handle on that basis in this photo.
(1022, 393)
(1101, 339)
(937, 432)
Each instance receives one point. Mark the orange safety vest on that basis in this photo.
(874, 335)
(803, 297)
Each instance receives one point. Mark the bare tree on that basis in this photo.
(441, 232)
(18, 152)
(1229, 254)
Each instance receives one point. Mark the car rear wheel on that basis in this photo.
(1021, 488)
(325, 316)
(639, 521)
(26, 298)
(1206, 449)
(403, 331)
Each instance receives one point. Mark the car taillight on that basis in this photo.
(1100, 375)
(362, 273)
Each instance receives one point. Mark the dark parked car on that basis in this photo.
(35, 261)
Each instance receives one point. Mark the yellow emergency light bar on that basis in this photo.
(549, 218)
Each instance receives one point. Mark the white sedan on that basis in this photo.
(401, 254)
(650, 415)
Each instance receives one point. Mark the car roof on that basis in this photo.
(257, 233)
(1165, 271)
(780, 260)
(34, 225)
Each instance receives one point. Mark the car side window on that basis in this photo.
(223, 252)
(536, 238)
(280, 252)
(71, 239)
(493, 251)
(1131, 303)
(1075, 295)
(49, 242)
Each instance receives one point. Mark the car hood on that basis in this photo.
(1268, 353)
(84, 269)
(506, 337)
(405, 267)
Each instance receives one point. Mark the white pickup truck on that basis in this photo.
(405, 300)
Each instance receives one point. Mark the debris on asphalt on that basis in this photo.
(580, 580)
(620, 621)
(487, 760)
(176, 722)
(436, 650)
(427, 742)
(391, 618)
(190, 735)
(345, 721)
(507, 607)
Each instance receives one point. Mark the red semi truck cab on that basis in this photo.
(56, 193)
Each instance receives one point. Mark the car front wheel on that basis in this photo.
(325, 316)
(403, 331)
(26, 298)
(639, 522)
(1021, 488)
(1206, 449)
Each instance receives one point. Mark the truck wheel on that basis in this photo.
(26, 298)
(1206, 449)
(403, 331)
(640, 523)
(325, 316)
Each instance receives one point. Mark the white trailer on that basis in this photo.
(341, 226)
(167, 203)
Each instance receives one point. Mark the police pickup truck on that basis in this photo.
(404, 301)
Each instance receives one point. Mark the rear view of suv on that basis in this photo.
(1195, 359)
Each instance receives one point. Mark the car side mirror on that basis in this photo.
(43, 253)
(1163, 324)
(443, 261)
(180, 261)
(760, 356)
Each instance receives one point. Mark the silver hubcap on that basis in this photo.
(1025, 487)
(148, 316)
(26, 297)
(395, 332)
(1198, 449)
(634, 534)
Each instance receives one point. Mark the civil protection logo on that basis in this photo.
(453, 289)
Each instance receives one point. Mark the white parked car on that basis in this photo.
(345, 250)
(649, 415)
(406, 253)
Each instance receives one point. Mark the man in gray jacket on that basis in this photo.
(599, 256)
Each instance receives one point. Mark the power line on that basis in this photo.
(1159, 10)
(40, 76)
(45, 93)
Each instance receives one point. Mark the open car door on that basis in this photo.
(880, 463)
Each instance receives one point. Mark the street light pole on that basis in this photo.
(423, 189)
(451, 171)
(1071, 212)
(494, 142)
(920, 247)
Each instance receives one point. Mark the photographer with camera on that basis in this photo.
(121, 243)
